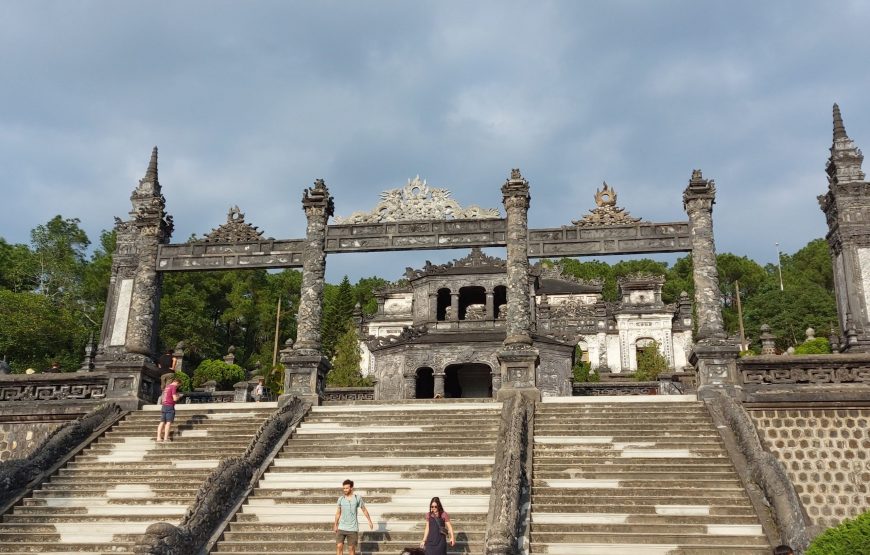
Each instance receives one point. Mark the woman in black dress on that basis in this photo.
(438, 530)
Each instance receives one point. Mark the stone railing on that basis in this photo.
(224, 490)
(127, 384)
(349, 394)
(17, 475)
(584, 389)
(763, 470)
(53, 387)
(511, 478)
(799, 378)
(194, 397)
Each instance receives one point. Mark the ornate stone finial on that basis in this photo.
(289, 343)
(318, 197)
(606, 213)
(151, 172)
(516, 175)
(811, 334)
(768, 341)
(236, 230)
(418, 201)
(839, 128)
(699, 188)
(834, 340)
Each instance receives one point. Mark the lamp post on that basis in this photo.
(779, 266)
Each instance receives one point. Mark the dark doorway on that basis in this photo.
(425, 384)
(468, 381)
(468, 296)
(443, 303)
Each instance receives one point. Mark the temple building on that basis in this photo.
(440, 333)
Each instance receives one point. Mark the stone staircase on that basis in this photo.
(399, 455)
(105, 498)
(636, 475)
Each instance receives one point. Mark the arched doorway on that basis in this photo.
(425, 384)
(468, 381)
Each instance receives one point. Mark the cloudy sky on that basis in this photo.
(249, 102)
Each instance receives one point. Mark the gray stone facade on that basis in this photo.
(453, 315)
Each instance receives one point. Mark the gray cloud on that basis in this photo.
(250, 102)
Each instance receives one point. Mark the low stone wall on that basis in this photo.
(18, 440)
(826, 452)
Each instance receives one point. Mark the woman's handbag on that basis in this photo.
(442, 528)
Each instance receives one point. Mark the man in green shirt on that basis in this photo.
(346, 525)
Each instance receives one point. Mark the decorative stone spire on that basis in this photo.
(151, 172)
(844, 165)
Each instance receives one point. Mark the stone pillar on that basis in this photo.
(178, 356)
(305, 367)
(714, 356)
(518, 358)
(768, 341)
(129, 330)
(845, 205)
(433, 308)
(496, 381)
(454, 306)
(411, 386)
(439, 382)
(318, 206)
(230, 357)
(490, 305)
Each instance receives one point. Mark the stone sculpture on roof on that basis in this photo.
(606, 212)
(236, 230)
(418, 201)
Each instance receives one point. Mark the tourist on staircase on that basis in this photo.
(167, 409)
(346, 525)
(438, 529)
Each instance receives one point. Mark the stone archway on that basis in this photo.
(468, 380)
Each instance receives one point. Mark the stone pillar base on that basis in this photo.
(304, 377)
(715, 362)
(518, 373)
(132, 383)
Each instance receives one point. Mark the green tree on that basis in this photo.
(59, 248)
(650, 363)
(17, 267)
(345, 370)
(337, 312)
(35, 331)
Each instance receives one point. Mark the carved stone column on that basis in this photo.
(496, 381)
(490, 305)
(305, 367)
(698, 200)
(411, 386)
(433, 308)
(714, 356)
(178, 356)
(318, 206)
(129, 330)
(518, 357)
(439, 382)
(454, 306)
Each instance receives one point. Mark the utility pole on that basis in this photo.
(277, 326)
(743, 345)
(779, 266)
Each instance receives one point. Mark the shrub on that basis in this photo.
(817, 346)
(225, 374)
(848, 538)
(583, 372)
(650, 363)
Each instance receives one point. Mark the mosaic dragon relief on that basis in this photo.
(418, 201)
(235, 230)
(606, 212)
